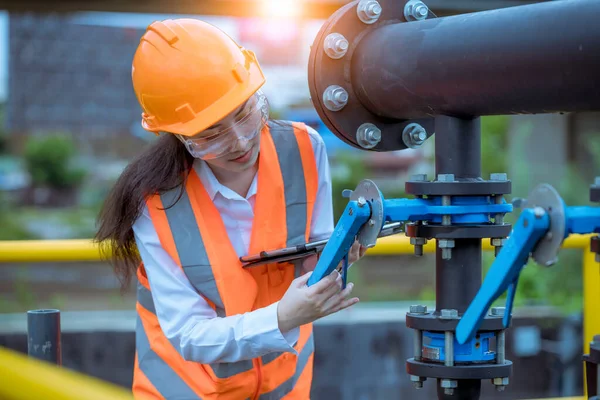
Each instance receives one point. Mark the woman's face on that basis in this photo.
(243, 153)
(233, 143)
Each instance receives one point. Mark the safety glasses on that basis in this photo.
(219, 141)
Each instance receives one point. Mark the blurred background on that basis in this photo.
(69, 124)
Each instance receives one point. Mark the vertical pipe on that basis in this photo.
(458, 147)
(44, 335)
(458, 152)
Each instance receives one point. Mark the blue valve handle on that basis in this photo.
(338, 246)
(504, 272)
(468, 210)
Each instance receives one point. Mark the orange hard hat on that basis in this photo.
(188, 75)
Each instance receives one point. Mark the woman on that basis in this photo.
(221, 181)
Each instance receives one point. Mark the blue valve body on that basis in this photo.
(477, 350)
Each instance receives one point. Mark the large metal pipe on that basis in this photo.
(538, 58)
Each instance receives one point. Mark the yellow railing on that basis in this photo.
(24, 378)
(35, 379)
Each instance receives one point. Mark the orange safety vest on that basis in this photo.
(193, 234)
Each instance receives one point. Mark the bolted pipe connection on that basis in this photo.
(335, 98)
(368, 135)
(368, 11)
(415, 10)
(414, 135)
(335, 45)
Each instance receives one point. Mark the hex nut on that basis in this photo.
(445, 178)
(418, 309)
(368, 11)
(446, 243)
(496, 242)
(449, 383)
(448, 314)
(500, 381)
(418, 241)
(498, 311)
(368, 135)
(335, 98)
(335, 45)
(500, 176)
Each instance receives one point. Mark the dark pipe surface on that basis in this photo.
(458, 152)
(538, 58)
(457, 280)
(44, 335)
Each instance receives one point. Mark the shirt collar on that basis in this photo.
(214, 187)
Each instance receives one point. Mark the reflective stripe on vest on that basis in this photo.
(163, 378)
(182, 219)
(186, 234)
(221, 370)
(293, 180)
(288, 385)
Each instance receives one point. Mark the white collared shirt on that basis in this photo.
(184, 316)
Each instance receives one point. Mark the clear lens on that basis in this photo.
(218, 141)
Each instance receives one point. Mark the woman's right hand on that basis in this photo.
(302, 304)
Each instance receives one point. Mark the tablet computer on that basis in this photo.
(305, 250)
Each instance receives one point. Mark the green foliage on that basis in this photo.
(493, 141)
(49, 162)
(561, 284)
(355, 171)
(12, 229)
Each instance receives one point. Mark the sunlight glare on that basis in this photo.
(281, 8)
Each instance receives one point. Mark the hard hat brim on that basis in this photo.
(218, 110)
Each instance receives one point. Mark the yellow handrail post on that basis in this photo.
(591, 302)
(591, 297)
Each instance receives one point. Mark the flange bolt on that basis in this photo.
(368, 135)
(414, 135)
(368, 11)
(335, 98)
(415, 10)
(335, 45)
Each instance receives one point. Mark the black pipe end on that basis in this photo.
(44, 335)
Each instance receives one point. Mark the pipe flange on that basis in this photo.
(368, 234)
(458, 188)
(457, 231)
(432, 321)
(325, 71)
(546, 197)
(473, 371)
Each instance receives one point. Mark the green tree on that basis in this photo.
(49, 162)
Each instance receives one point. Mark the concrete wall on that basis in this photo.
(360, 354)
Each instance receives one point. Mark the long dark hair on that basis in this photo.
(162, 166)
